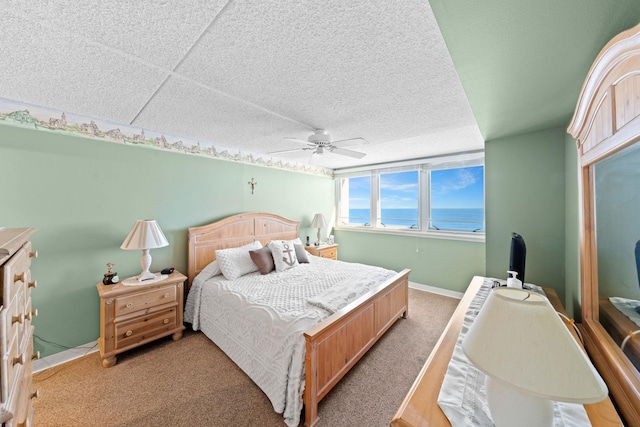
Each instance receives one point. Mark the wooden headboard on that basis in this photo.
(235, 231)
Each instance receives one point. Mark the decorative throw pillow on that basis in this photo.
(263, 259)
(301, 253)
(212, 269)
(236, 262)
(284, 254)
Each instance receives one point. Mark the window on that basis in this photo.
(443, 195)
(399, 200)
(356, 208)
(457, 199)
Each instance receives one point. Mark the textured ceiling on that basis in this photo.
(246, 74)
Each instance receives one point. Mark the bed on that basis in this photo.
(326, 345)
(619, 327)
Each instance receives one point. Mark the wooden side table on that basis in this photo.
(134, 315)
(324, 251)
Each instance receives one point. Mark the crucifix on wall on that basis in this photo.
(253, 184)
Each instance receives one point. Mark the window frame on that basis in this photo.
(424, 167)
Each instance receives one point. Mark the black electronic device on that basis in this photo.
(167, 270)
(517, 255)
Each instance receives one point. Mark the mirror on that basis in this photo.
(617, 205)
(606, 126)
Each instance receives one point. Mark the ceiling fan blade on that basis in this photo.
(350, 153)
(291, 150)
(304, 141)
(350, 142)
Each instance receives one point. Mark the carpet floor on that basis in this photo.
(191, 382)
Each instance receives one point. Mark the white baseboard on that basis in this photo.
(64, 356)
(435, 290)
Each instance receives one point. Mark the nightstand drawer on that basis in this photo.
(145, 327)
(145, 300)
(329, 253)
(324, 251)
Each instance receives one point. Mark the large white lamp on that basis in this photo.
(530, 359)
(145, 234)
(319, 222)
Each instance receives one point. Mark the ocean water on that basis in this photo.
(467, 219)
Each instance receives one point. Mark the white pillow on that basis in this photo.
(284, 254)
(236, 262)
(212, 269)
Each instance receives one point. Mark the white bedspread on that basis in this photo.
(259, 320)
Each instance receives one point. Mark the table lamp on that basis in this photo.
(145, 234)
(319, 222)
(530, 359)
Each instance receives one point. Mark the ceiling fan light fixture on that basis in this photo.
(320, 136)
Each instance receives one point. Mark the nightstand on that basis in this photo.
(134, 315)
(324, 251)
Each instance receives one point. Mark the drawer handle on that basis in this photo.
(128, 333)
(129, 305)
(33, 254)
(22, 359)
(17, 319)
(36, 355)
(167, 295)
(32, 314)
(165, 321)
(19, 277)
(33, 284)
(35, 394)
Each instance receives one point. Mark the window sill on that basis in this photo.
(431, 234)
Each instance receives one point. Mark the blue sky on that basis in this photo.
(457, 188)
(451, 188)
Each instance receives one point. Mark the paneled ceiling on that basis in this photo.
(247, 74)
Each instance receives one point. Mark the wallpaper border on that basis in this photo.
(31, 116)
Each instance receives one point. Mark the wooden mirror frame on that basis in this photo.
(606, 120)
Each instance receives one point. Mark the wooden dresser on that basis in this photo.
(420, 406)
(16, 337)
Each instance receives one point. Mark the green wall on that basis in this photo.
(448, 264)
(83, 196)
(525, 193)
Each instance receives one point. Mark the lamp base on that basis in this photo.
(511, 407)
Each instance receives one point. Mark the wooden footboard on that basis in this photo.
(336, 344)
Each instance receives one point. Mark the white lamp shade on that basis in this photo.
(319, 221)
(518, 339)
(145, 234)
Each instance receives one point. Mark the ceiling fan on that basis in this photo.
(320, 142)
